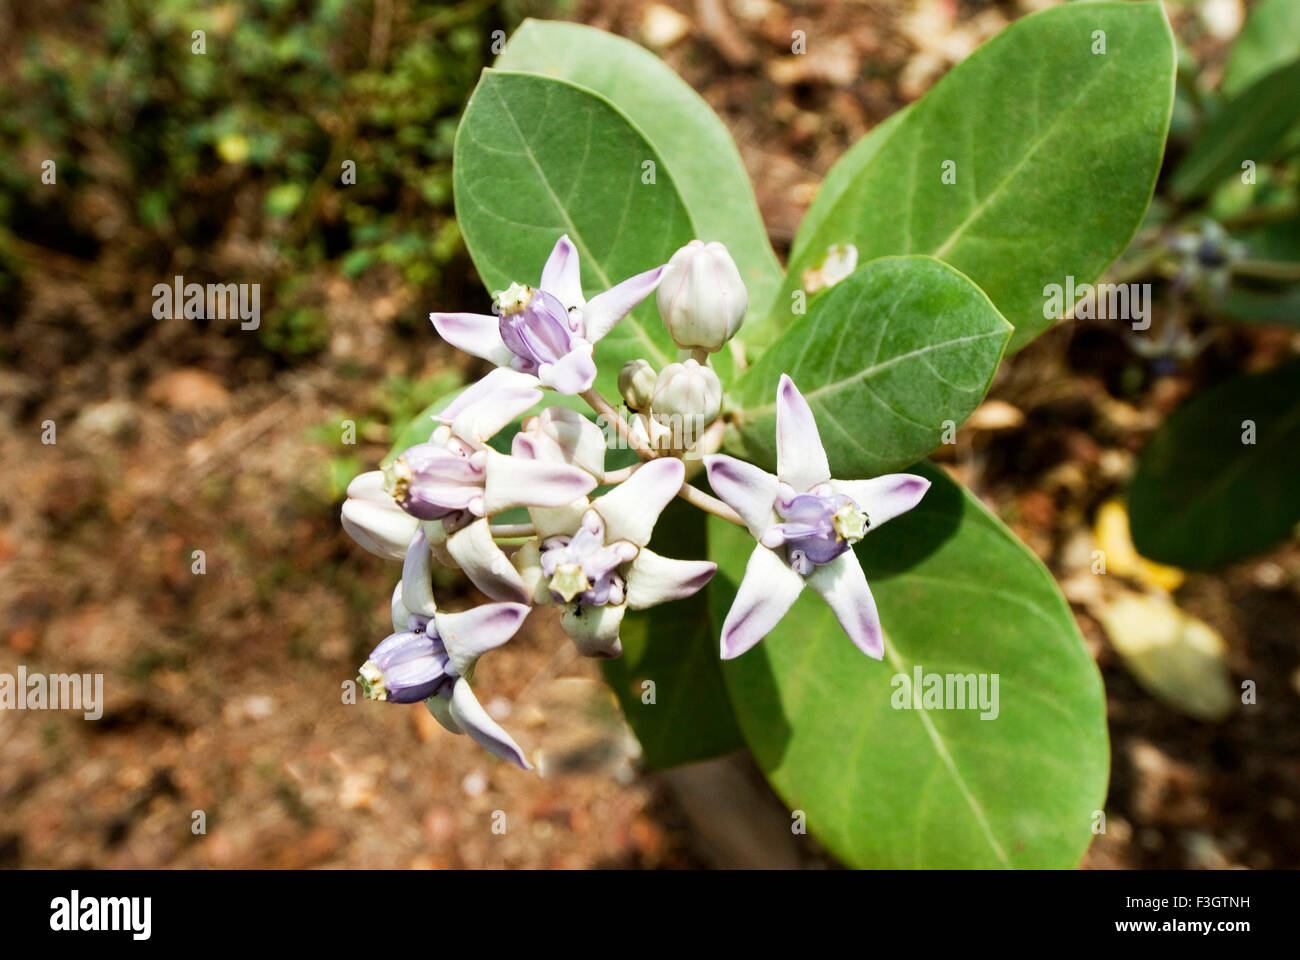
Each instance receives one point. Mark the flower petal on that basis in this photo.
(572, 374)
(528, 561)
(483, 418)
(372, 518)
(800, 457)
(470, 716)
(417, 580)
(476, 333)
(517, 482)
(631, 509)
(469, 635)
(486, 565)
(653, 579)
(559, 521)
(747, 489)
(766, 593)
(502, 378)
(606, 309)
(884, 498)
(400, 613)
(594, 630)
(561, 276)
(843, 585)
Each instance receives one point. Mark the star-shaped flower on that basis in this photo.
(549, 331)
(806, 524)
(431, 656)
(591, 559)
(456, 481)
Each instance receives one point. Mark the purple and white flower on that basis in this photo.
(430, 656)
(550, 331)
(591, 558)
(373, 519)
(455, 481)
(805, 523)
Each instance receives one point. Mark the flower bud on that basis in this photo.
(701, 296)
(636, 383)
(687, 399)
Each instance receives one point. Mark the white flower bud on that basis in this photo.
(687, 399)
(701, 296)
(636, 383)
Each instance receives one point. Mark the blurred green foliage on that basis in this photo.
(246, 140)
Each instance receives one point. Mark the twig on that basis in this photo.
(709, 504)
(603, 407)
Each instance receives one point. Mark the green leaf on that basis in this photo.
(675, 647)
(1270, 39)
(885, 358)
(696, 147)
(1056, 152)
(536, 158)
(888, 787)
(1202, 497)
(1248, 127)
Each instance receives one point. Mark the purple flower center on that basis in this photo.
(543, 332)
(818, 526)
(584, 567)
(408, 666)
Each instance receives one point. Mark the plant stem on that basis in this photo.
(688, 493)
(1267, 269)
(709, 504)
(606, 410)
(618, 476)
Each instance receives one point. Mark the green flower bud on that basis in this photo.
(636, 383)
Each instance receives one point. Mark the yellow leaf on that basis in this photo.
(1112, 536)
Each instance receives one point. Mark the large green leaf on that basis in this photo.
(1248, 127)
(1270, 39)
(1056, 152)
(886, 787)
(885, 357)
(1202, 497)
(683, 129)
(674, 646)
(537, 157)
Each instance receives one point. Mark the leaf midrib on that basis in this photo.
(871, 371)
(941, 749)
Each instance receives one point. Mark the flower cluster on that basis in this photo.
(585, 550)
